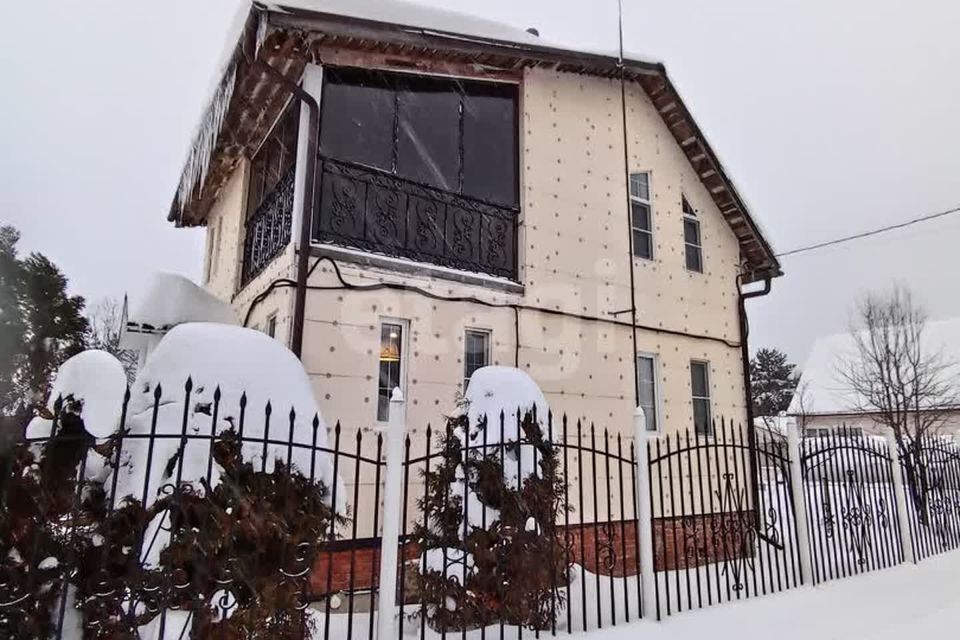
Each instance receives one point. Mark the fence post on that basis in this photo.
(648, 592)
(390, 540)
(799, 495)
(900, 494)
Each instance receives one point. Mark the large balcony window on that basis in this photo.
(420, 168)
(269, 214)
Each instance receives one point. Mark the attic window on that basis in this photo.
(692, 244)
(456, 135)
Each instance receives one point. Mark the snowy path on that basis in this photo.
(908, 601)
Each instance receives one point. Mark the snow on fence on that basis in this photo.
(196, 517)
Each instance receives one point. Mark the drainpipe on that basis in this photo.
(303, 246)
(748, 396)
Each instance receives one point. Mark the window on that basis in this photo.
(456, 135)
(640, 215)
(476, 353)
(691, 238)
(271, 329)
(275, 157)
(391, 366)
(700, 385)
(648, 392)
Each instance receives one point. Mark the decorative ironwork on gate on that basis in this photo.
(850, 508)
(931, 468)
(724, 526)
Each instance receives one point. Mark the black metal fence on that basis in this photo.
(202, 516)
(198, 519)
(932, 467)
(851, 504)
(724, 526)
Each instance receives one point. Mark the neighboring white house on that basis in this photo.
(168, 300)
(825, 401)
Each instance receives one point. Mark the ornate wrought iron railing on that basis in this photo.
(268, 230)
(375, 211)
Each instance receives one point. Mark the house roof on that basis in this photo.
(288, 34)
(822, 390)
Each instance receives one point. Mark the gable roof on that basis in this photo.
(823, 389)
(287, 34)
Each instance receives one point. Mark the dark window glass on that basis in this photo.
(476, 353)
(358, 112)
(490, 143)
(272, 326)
(700, 387)
(428, 121)
(648, 390)
(459, 136)
(391, 355)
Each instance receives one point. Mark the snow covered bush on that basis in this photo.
(214, 497)
(503, 563)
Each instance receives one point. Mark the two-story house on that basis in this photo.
(403, 195)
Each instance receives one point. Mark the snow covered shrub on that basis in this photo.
(504, 563)
(214, 534)
(35, 532)
(235, 554)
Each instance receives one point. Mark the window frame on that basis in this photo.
(488, 356)
(648, 202)
(251, 205)
(402, 375)
(690, 216)
(454, 79)
(657, 391)
(708, 398)
(270, 326)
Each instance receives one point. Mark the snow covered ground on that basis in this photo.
(908, 601)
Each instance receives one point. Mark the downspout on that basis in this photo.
(748, 396)
(303, 246)
(626, 184)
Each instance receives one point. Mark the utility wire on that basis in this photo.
(873, 232)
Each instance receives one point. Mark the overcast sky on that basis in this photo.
(831, 116)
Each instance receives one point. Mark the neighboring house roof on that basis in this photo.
(170, 300)
(822, 390)
(289, 33)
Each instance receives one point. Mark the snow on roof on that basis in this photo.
(821, 388)
(172, 299)
(410, 14)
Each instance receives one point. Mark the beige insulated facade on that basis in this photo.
(560, 323)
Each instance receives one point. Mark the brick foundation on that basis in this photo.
(608, 548)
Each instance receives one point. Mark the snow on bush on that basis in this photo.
(496, 565)
(91, 384)
(240, 363)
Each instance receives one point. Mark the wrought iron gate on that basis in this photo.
(724, 526)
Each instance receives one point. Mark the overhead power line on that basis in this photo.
(873, 232)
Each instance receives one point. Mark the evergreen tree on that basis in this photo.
(512, 570)
(772, 382)
(41, 325)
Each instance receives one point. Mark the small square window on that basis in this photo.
(641, 215)
(476, 353)
(700, 388)
(271, 329)
(391, 366)
(648, 391)
(692, 244)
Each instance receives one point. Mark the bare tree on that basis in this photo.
(900, 380)
(105, 330)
